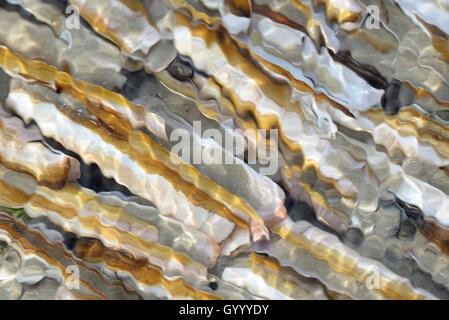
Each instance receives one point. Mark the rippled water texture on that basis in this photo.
(117, 180)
